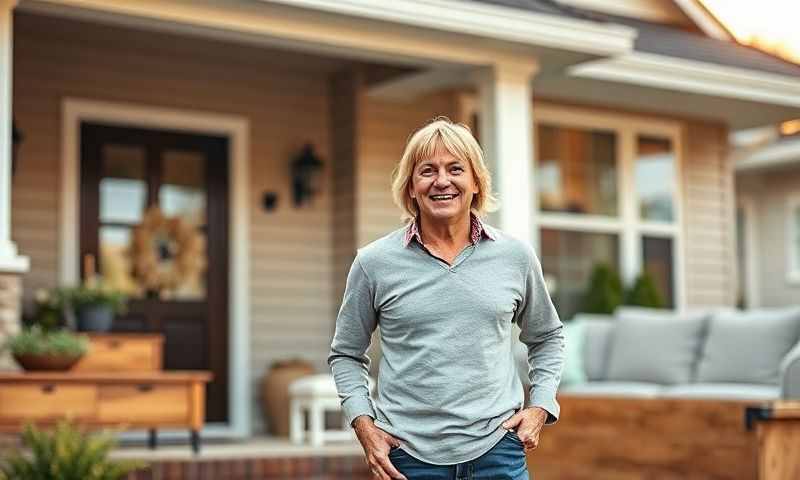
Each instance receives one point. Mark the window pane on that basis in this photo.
(123, 190)
(567, 262)
(116, 265)
(657, 256)
(655, 178)
(183, 191)
(577, 170)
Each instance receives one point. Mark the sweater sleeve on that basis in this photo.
(542, 333)
(348, 361)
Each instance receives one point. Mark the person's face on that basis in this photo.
(443, 186)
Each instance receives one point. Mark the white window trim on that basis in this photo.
(627, 224)
(792, 230)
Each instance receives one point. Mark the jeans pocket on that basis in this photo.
(512, 435)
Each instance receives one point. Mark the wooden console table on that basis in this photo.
(777, 426)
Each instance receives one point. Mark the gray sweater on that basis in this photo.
(447, 378)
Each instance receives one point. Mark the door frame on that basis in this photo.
(237, 129)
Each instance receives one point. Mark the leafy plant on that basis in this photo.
(95, 295)
(65, 453)
(50, 305)
(604, 293)
(35, 340)
(644, 293)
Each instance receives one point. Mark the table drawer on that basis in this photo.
(121, 354)
(46, 401)
(143, 403)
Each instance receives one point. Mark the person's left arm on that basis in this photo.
(542, 332)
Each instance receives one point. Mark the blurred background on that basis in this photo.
(187, 182)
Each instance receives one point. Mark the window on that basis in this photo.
(793, 239)
(607, 190)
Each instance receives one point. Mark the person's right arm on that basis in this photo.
(349, 364)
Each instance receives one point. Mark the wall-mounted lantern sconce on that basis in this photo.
(306, 175)
(16, 141)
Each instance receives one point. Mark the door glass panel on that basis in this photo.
(577, 170)
(655, 179)
(183, 191)
(116, 264)
(657, 253)
(568, 259)
(123, 189)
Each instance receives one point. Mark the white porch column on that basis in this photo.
(10, 261)
(506, 130)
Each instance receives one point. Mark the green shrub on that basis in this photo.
(65, 453)
(644, 293)
(604, 293)
(36, 340)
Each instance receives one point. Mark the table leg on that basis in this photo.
(195, 441)
(152, 439)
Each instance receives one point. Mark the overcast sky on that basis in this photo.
(770, 24)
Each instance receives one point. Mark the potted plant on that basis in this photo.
(95, 306)
(65, 453)
(37, 348)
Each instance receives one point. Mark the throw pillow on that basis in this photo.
(748, 346)
(655, 348)
(573, 373)
(597, 331)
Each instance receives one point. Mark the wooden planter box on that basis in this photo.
(644, 439)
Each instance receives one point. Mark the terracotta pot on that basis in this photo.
(275, 392)
(31, 362)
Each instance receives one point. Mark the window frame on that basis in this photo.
(628, 224)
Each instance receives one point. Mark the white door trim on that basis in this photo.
(237, 129)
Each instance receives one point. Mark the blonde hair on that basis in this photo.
(457, 139)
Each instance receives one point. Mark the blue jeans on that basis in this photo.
(505, 461)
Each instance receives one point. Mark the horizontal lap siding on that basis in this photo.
(709, 240)
(283, 95)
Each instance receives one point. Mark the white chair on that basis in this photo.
(317, 394)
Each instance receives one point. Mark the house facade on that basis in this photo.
(605, 125)
(768, 218)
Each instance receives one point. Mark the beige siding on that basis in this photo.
(283, 95)
(709, 240)
(345, 89)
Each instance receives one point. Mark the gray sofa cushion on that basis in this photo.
(747, 347)
(614, 389)
(723, 391)
(597, 330)
(655, 348)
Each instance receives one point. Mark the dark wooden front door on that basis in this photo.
(128, 172)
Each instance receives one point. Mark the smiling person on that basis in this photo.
(445, 290)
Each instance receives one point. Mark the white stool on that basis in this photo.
(317, 394)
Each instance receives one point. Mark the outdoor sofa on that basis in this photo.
(652, 394)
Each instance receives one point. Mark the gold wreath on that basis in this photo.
(181, 238)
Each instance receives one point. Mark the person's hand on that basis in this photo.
(376, 444)
(528, 423)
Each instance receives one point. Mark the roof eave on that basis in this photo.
(660, 71)
(489, 21)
